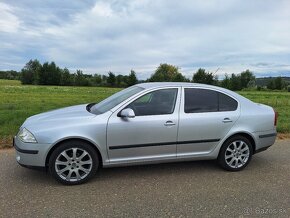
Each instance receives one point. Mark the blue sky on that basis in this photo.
(120, 35)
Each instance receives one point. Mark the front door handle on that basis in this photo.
(227, 120)
(169, 123)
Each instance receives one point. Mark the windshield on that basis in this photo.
(114, 100)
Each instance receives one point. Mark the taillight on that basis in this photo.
(276, 118)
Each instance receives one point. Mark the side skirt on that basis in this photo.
(158, 160)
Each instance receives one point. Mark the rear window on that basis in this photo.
(205, 100)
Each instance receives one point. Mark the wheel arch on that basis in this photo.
(246, 135)
(94, 146)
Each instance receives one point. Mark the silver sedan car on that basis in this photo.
(147, 123)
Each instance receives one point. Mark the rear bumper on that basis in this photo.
(268, 135)
(264, 140)
(30, 154)
(262, 149)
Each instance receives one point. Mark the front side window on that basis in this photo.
(204, 100)
(155, 103)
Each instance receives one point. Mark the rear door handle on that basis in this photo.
(169, 123)
(227, 120)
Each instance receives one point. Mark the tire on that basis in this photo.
(235, 153)
(73, 162)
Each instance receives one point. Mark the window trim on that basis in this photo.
(211, 89)
(177, 100)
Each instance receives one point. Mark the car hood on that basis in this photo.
(60, 116)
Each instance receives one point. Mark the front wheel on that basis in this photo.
(235, 154)
(73, 162)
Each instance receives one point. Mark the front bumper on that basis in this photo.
(30, 154)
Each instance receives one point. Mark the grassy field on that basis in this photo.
(18, 102)
(280, 101)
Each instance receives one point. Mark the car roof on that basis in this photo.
(164, 84)
(183, 84)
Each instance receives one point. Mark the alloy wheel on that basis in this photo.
(73, 164)
(237, 154)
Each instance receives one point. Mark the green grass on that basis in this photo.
(4, 82)
(17, 102)
(280, 101)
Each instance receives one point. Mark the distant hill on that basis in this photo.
(264, 80)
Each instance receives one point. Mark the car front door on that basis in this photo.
(206, 116)
(151, 134)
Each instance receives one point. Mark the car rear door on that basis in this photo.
(151, 134)
(206, 116)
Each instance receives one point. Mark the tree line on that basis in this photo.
(167, 72)
(277, 84)
(10, 74)
(50, 74)
(235, 82)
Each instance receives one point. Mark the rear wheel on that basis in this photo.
(235, 154)
(73, 162)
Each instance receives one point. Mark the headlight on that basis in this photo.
(26, 136)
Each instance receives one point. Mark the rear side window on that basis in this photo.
(227, 103)
(204, 100)
(200, 100)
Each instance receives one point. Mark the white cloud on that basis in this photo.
(102, 9)
(120, 35)
(8, 21)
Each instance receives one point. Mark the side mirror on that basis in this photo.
(128, 113)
